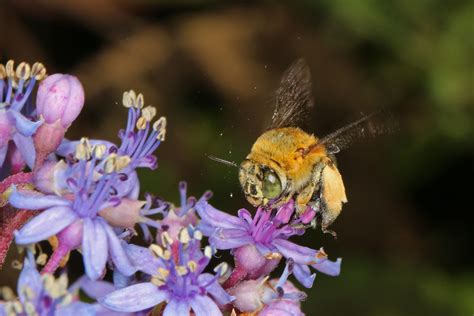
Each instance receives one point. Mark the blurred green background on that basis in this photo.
(406, 235)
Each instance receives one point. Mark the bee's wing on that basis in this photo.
(377, 123)
(293, 97)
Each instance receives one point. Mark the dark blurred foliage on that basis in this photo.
(211, 67)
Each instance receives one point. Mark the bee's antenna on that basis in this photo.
(222, 161)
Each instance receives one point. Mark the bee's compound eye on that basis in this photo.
(271, 184)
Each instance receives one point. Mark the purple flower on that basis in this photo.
(139, 140)
(177, 278)
(16, 86)
(75, 217)
(269, 297)
(59, 101)
(259, 243)
(43, 295)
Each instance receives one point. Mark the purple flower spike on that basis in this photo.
(259, 242)
(86, 216)
(16, 87)
(177, 279)
(44, 295)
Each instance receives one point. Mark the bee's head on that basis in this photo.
(261, 183)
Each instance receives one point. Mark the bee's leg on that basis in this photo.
(319, 220)
(304, 197)
(330, 232)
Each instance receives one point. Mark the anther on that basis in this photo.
(99, 151)
(9, 68)
(122, 162)
(23, 71)
(149, 113)
(38, 71)
(184, 236)
(208, 252)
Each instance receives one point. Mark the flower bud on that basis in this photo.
(59, 101)
(60, 97)
(124, 215)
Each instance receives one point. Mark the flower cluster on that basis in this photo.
(85, 195)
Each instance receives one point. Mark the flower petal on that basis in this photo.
(23, 125)
(214, 289)
(94, 289)
(35, 201)
(3, 154)
(48, 223)
(230, 238)
(300, 254)
(26, 147)
(94, 248)
(177, 308)
(134, 298)
(77, 308)
(332, 268)
(213, 217)
(303, 275)
(29, 277)
(143, 259)
(204, 306)
(117, 253)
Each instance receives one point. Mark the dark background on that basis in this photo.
(211, 67)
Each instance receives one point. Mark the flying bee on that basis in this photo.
(286, 162)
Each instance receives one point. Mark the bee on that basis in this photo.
(286, 162)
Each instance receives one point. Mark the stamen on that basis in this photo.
(9, 68)
(157, 250)
(157, 281)
(208, 252)
(181, 270)
(122, 162)
(30, 308)
(222, 268)
(109, 164)
(184, 236)
(163, 273)
(127, 99)
(197, 235)
(83, 149)
(166, 239)
(7, 293)
(160, 127)
(149, 113)
(99, 151)
(141, 123)
(140, 101)
(38, 71)
(192, 265)
(23, 71)
(42, 258)
(3, 72)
